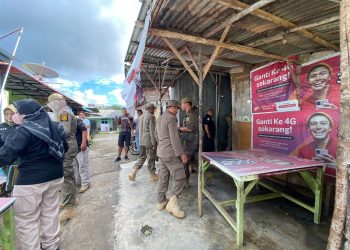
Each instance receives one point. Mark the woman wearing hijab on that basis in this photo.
(40, 146)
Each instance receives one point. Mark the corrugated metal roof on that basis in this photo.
(198, 17)
(21, 83)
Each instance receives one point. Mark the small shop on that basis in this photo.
(106, 120)
(271, 71)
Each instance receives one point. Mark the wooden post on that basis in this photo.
(343, 152)
(233, 111)
(200, 86)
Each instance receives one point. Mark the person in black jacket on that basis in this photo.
(40, 146)
(209, 132)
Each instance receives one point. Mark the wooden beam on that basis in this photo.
(314, 24)
(206, 57)
(212, 42)
(237, 5)
(171, 84)
(192, 58)
(164, 74)
(181, 59)
(281, 35)
(200, 89)
(150, 78)
(236, 17)
(228, 25)
(267, 40)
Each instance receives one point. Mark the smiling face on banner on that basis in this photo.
(320, 126)
(319, 77)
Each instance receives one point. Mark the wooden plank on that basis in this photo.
(181, 59)
(237, 5)
(200, 40)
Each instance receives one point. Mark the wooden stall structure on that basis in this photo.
(205, 38)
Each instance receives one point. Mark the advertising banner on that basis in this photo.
(309, 134)
(132, 92)
(271, 84)
(320, 84)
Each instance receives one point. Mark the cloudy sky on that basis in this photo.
(85, 41)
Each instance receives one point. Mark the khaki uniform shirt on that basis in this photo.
(190, 139)
(147, 125)
(191, 121)
(167, 135)
(69, 123)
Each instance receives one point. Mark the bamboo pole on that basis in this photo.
(200, 40)
(343, 152)
(200, 84)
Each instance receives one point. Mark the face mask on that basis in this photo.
(57, 106)
(18, 118)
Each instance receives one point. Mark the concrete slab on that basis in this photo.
(111, 214)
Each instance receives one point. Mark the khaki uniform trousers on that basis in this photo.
(173, 167)
(146, 153)
(37, 214)
(69, 186)
(81, 168)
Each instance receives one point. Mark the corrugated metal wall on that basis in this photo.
(185, 86)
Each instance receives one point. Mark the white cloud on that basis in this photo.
(103, 82)
(118, 79)
(117, 95)
(96, 99)
(88, 97)
(61, 83)
(79, 97)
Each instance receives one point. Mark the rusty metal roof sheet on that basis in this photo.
(197, 17)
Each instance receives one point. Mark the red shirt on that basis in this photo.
(308, 101)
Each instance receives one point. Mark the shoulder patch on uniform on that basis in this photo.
(64, 117)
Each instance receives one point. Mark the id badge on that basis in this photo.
(64, 117)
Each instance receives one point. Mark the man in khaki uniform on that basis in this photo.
(148, 143)
(172, 159)
(69, 122)
(189, 134)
